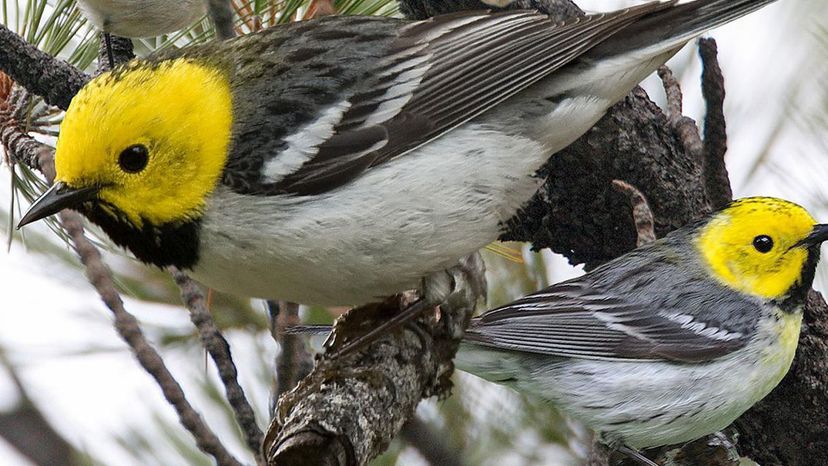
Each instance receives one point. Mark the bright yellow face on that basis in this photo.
(153, 138)
(754, 245)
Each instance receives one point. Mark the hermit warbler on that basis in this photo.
(339, 160)
(668, 343)
(142, 18)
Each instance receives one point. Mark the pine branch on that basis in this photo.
(129, 329)
(42, 74)
(219, 350)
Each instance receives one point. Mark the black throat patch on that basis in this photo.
(161, 245)
(799, 292)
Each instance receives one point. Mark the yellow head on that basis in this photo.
(762, 246)
(150, 138)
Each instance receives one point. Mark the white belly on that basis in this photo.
(417, 214)
(648, 404)
(377, 235)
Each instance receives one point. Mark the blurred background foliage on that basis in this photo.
(484, 423)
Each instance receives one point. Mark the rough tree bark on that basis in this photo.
(349, 408)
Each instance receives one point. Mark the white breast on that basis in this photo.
(414, 215)
(647, 404)
(377, 235)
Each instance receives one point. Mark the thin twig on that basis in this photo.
(219, 350)
(293, 362)
(684, 126)
(25, 149)
(641, 212)
(128, 328)
(22, 148)
(716, 180)
(672, 90)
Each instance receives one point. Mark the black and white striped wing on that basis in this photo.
(574, 320)
(437, 75)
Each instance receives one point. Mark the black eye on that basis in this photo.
(134, 158)
(763, 243)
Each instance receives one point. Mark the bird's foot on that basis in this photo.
(467, 285)
(456, 288)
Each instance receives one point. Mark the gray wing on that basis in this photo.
(437, 75)
(577, 320)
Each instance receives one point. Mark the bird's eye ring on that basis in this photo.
(763, 243)
(134, 158)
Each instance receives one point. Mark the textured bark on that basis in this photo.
(350, 407)
(577, 212)
(42, 74)
(715, 130)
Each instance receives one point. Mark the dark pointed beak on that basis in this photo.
(817, 236)
(57, 198)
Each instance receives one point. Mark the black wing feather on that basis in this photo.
(588, 318)
(459, 66)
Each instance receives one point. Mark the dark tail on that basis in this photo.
(675, 25)
(309, 330)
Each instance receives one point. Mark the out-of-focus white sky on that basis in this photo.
(50, 316)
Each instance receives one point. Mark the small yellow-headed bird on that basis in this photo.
(668, 343)
(340, 160)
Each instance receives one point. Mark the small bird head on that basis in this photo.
(763, 246)
(144, 145)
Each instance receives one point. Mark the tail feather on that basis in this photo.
(672, 27)
(308, 329)
(316, 335)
